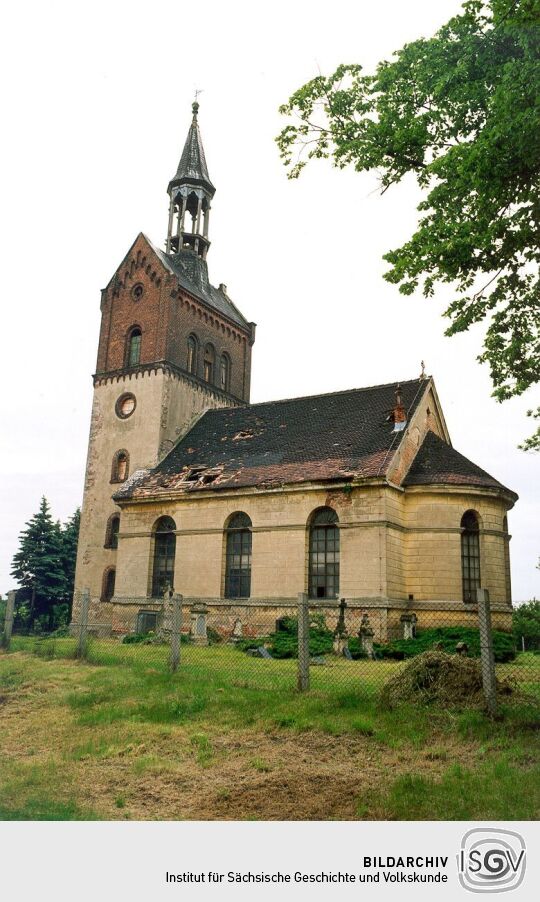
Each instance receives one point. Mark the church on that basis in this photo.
(190, 488)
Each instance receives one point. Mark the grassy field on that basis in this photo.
(228, 737)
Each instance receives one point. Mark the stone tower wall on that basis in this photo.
(166, 405)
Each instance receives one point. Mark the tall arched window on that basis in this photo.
(133, 348)
(113, 528)
(209, 361)
(224, 372)
(107, 587)
(192, 348)
(238, 557)
(164, 554)
(120, 467)
(324, 554)
(470, 555)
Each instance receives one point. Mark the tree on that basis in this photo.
(38, 567)
(461, 112)
(526, 622)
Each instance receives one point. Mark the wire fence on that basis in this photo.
(324, 647)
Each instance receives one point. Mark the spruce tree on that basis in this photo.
(70, 538)
(38, 566)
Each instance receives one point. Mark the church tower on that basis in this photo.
(171, 346)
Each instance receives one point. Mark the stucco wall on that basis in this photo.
(393, 544)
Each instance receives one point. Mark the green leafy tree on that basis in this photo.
(39, 568)
(461, 112)
(526, 622)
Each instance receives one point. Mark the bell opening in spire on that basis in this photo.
(190, 192)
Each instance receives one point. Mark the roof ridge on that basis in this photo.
(342, 391)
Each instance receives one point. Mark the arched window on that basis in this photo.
(111, 533)
(324, 554)
(133, 347)
(107, 587)
(470, 555)
(192, 349)
(224, 372)
(120, 467)
(164, 554)
(209, 361)
(238, 557)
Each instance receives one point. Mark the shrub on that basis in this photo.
(284, 643)
(148, 638)
(448, 636)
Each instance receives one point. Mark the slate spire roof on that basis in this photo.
(437, 463)
(192, 167)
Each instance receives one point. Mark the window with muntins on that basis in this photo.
(164, 554)
(324, 554)
(470, 555)
(238, 557)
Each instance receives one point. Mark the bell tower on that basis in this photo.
(190, 193)
(171, 345)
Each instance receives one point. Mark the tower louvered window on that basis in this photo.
(134, 347)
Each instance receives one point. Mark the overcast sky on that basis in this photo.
(96, 107)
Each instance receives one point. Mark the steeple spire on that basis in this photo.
(190, 192)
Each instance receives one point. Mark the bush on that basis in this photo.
(214, 636)
(148, 638)
(448, 636)
(284, 643)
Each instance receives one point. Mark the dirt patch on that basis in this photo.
(435, 676)
(254, 776)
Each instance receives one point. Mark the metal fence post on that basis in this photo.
(83, 625)
(486, 650)
(303, 642)
(8, 622)
(176, 629)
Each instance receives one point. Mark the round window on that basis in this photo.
(137, 291)
(125, 406)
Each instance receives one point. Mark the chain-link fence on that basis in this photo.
(327, 647)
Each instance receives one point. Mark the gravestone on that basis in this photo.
(341, 636)
(236, 634)
(366, 634)
(199, 624)
(409, 625)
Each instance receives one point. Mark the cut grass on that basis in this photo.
(229, 737)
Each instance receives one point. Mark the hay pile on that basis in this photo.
(437, 677)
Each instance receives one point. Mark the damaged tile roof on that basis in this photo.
(336, 436)
(439, 464)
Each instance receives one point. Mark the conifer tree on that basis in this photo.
(70, 538)
(39, 566)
